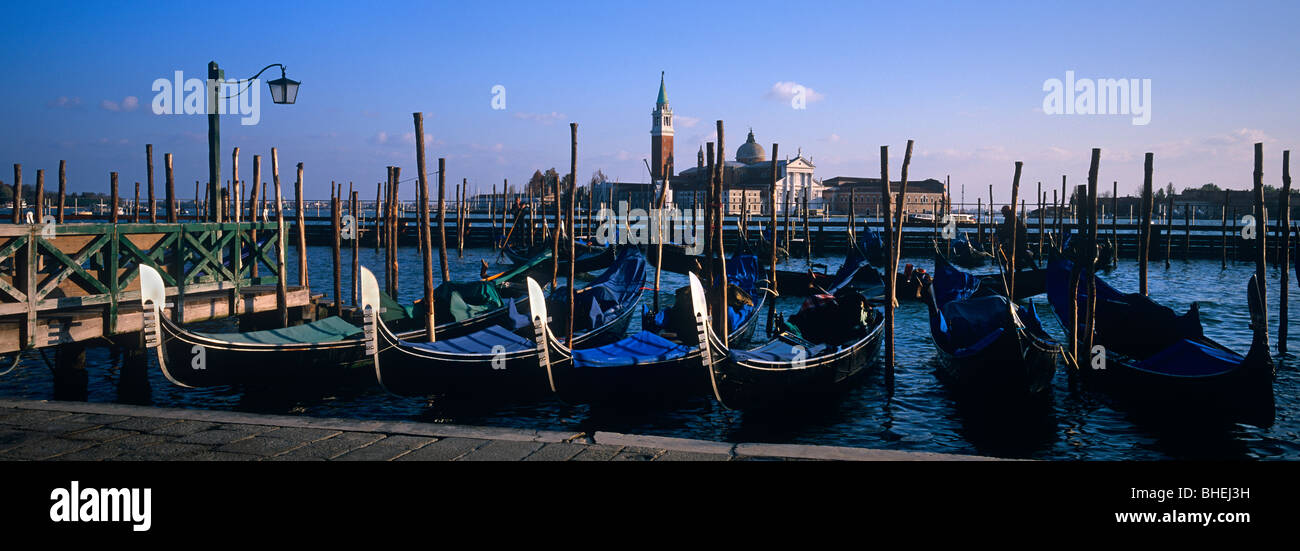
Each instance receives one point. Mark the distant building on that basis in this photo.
(638, 195)
(922, 197)
(747, 178)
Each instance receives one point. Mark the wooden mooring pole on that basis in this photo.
(1223, 231)
(173, 215)
(720, 186)
(1015, 231)
(112, 205)
(891, 278)
(1169, 228)
(1261, 263)
(153, 207)
(63, 188)
(1284, 223)
(1144, 247)
(573, 230)
(771, 198)
(281, 284)
(336, 221)
(299, 206)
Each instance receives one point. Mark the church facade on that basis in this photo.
(746, 177)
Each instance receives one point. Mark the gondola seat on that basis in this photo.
(329, 329)
(642, 348)
(479, 342)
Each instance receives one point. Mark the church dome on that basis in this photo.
(750, 152)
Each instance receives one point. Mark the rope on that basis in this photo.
(17, 356)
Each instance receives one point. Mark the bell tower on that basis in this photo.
(661, 136)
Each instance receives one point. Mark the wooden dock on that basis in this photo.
(69, 283)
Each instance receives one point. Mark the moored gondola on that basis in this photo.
(590, 257)
(987, 344)
(644, 368)
(1156, 360)
(822, 350)
(314, 351)
(499, 361)
(745, 282)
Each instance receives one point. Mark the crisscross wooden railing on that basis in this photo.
(49, 267)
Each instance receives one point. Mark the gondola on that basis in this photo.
(590, 257)
(985, 346)
(962, 253)
(315, 351)
(497, 360)
(319, 350)
(644, 368)
(824, 348)
(745, 275)
(1162, 362)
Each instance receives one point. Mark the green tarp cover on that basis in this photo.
(329, 329)
(460, 301)
(392, 311)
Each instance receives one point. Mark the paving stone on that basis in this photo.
(142, 424)
(222, 456)
(217, 436)
(96, 418)
(183, 428)
(386, 449)
(503, 450)
(446, 449)
(597, 453)
(166, 451)
(140, 440)
(632, 453)
(101, 434)
(556, 451)
(330, 448)
(674, 455)
(261, 445)
(98, 452)
(302, 434)
(12, 438)
(63, 426)
(46, 448)
(33, 418)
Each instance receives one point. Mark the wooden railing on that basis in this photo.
(45, 267)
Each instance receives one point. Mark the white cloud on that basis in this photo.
(64, 102)
(687, 122)
(129, 103)
(544, 118)
(785, 90)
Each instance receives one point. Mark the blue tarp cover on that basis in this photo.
(479, 342)
(641, 348)
(1191, 359)
(599, 301)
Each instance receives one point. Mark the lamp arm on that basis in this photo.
(259, 73)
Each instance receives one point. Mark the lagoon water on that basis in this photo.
(921, 414)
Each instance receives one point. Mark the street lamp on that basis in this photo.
(283, 91)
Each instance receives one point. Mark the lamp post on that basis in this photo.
(283, 91)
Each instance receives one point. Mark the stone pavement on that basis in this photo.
(80, 431)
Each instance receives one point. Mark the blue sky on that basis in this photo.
(963, 79)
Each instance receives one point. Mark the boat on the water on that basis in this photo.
(821, 351)
(313, 351)
(644, 368)
(987, 344)
(510, 359)
(1160, 361)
